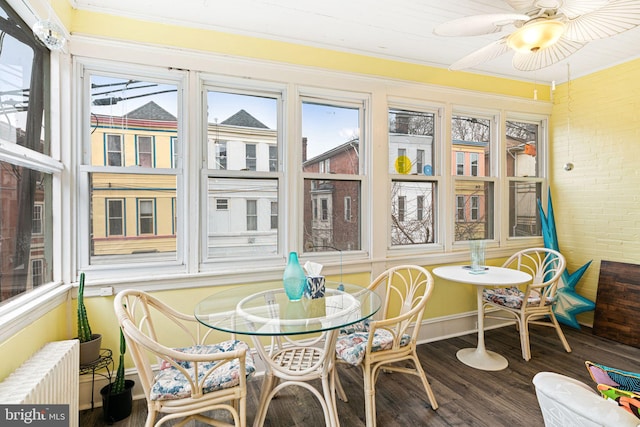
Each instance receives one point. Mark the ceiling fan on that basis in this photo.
(543, 32)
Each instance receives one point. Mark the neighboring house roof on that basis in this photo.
(469, 143)
(353, 144)
(244, 119)
(150, 111)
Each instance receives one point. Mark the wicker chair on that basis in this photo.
(546, 266)
(191, 379)
(379, 344)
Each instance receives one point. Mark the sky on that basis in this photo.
(324, 126)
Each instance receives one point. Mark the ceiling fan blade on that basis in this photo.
(487, 53)
(478, 24)
(614, 18)
(574, 8)
(547, 56)
(530, 5)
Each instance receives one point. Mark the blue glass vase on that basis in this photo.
(294, 278)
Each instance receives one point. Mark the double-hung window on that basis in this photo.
(333, 172)
(27, 168)
(524, 173)
(411, 167)
(241, 172)
(130, 169)
(473, 138)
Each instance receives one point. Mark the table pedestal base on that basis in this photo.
(479, 359)
(295, 366)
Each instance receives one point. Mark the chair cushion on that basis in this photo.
(512, 297)
(623, 380)
(170, 383)
(351, 347)
(362, 326)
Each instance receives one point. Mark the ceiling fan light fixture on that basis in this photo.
(534, 36)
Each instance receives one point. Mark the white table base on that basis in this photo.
(479, 359)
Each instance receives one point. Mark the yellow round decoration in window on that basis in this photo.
(403, 165)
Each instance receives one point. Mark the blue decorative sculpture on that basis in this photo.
(569, 303)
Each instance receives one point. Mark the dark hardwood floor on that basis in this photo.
(466, 396)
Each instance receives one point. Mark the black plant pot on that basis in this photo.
(116, 407)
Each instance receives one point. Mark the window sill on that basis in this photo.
(18, 314)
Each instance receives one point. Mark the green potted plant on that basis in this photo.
(89, 342)
(117, 398)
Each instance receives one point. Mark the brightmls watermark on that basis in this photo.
(34, 415)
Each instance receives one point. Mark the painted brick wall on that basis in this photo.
(595, 125)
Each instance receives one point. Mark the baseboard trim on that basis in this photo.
(435, 329)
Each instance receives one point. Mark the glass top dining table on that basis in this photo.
(264, 309)
(292, 359)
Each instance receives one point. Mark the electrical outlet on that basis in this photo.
(105, 292)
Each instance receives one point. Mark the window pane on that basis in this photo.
(471, 135)
(274, 215)
(245, 227)
(252, 215)
(21, 190)
(330, 139)
(411, 142)
(114, 150)
(324, 219)
(412, 219)
(240, 131)
(522, 149)
(122, 109)
(401, 202)
(21, 102)
(133, 216)
(474, 210)
(116, 212)
(347, 209)
(221, 155)
(145, 209)
(273, 158)
(250, 157)
(145, 151)
(115, 217)
(411, 153)
(37, 222)
(524, 217)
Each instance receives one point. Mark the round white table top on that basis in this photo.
(493, 276)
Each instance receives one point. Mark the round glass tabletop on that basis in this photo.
(264, 309)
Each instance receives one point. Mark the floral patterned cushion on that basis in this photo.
(362, 326)
(170, 383)
(512, 297)
(351, 347)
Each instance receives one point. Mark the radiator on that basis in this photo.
(50, 376)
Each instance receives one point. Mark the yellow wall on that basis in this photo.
(102, 25)
(596, 126)
(18, 348)
(596, 204)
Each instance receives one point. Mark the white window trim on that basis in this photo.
(82, 69)
(252, 70)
